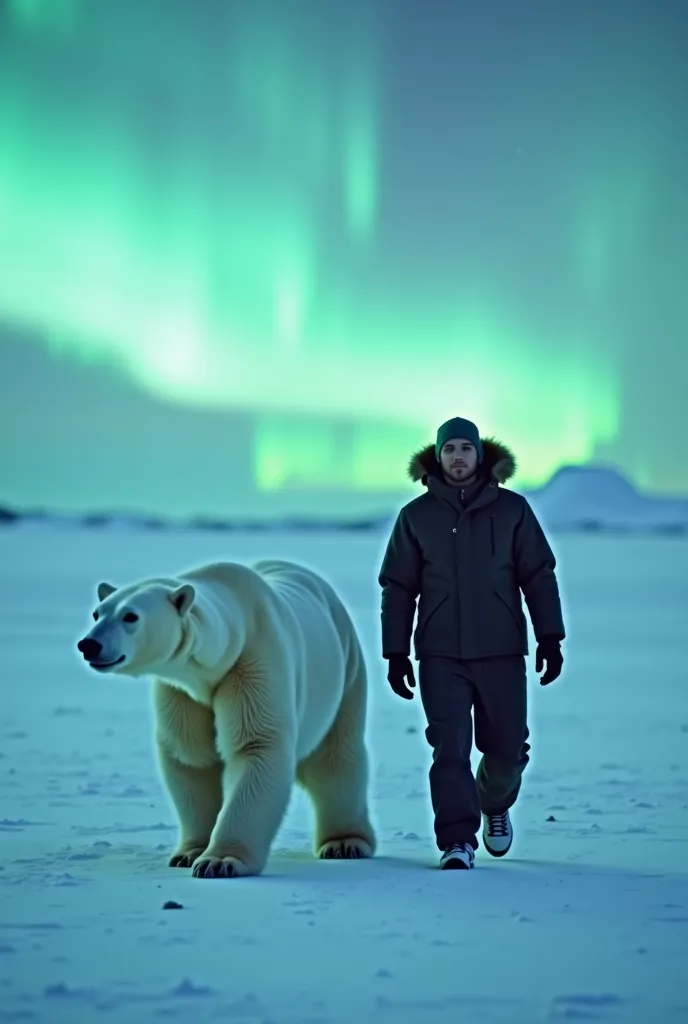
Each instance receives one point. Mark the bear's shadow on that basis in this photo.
(303, 865)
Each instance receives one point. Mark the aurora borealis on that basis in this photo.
(380, 213)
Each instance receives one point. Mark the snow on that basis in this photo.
(587, 918)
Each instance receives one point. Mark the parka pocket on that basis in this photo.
(424, 621)
(519, 623)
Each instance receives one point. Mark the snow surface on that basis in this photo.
(586, 919)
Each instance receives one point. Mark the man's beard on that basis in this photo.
(461, 476)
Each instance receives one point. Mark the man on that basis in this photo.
(468, 548)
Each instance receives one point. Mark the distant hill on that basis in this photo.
(591, 497)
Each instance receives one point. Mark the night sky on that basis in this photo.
(252, 250)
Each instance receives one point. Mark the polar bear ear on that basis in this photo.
(104, 590)
(183, 598)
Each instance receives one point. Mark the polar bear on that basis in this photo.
(260, 682)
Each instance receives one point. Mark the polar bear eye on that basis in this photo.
(95, 616)
(130, 617)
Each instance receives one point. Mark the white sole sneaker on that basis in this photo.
(458, 858)
(498, 834)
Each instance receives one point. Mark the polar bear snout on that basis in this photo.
(93, 652)
(90, 648)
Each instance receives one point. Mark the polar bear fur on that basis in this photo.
(260, 681)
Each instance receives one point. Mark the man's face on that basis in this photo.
(459, 461)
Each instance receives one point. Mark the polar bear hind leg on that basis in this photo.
(335, 776)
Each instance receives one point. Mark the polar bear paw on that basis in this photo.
(219, 867)
(353, 848)
(185, 856)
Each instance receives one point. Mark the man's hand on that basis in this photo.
(549, 650)
(400, 671)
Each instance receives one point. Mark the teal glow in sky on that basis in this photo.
(310, 214)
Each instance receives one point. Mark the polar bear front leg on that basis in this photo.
(197, 797)
(258, 784)
(255, 741)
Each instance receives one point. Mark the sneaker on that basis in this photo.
(497, 833)
(460, 855)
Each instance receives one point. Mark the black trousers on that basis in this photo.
(495, 690)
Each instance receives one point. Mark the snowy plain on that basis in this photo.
(587, 918)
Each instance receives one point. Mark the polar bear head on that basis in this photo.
(139, 627)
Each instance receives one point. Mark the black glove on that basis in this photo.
(400, 670)
(549, 650)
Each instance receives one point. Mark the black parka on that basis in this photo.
(467, 557)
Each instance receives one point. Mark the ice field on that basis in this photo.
(586, 919)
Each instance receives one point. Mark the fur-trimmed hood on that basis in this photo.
(499, 462)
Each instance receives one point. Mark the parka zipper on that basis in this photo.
(492, 534)
(456, 585)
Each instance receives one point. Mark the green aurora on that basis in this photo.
(211, 220)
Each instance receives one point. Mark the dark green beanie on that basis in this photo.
(458, 427)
